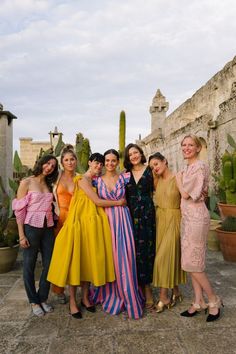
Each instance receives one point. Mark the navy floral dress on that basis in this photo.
(140, 203)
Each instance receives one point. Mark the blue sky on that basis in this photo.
(77, 64)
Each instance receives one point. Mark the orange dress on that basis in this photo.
(64, 198)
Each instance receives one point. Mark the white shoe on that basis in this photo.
(37, 310)
(47, 307)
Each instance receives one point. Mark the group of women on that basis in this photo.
(109, 233)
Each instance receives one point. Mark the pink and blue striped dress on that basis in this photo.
(123, 294)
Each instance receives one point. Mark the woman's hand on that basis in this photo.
(24, 243)
(122, 202)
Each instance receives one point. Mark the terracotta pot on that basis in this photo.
(227, 210)
(213, 242)
(8, 257)
(227, 244)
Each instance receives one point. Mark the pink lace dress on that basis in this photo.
(195, 217)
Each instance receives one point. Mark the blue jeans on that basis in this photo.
(40, 239)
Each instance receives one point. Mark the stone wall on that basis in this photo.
(6, 149)
(29, 150)
(210, 113)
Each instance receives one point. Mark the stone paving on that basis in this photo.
(168, 332)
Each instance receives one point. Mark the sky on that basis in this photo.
(76, 64)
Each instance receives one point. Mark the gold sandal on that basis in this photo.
(176, 298)
(160, 306)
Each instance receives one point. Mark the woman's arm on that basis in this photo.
(21, 193)
(179, 182)
(88, 190)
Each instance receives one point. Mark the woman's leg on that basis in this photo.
(203, 281)
(29, 261)
(46, 247)
(85, 293)
(164, 296)
(73, 304)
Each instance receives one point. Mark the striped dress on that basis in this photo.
(123, 294)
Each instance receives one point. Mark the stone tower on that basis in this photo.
(6, 144)
(54, 137)
(158, 111)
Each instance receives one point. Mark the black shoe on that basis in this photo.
(90, 308)
(211, 318)
(76, 314)
(188, 314)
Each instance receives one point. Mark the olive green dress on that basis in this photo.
(167, 271)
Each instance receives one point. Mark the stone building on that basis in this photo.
(210, 114)
(6, 149)
(29, 149)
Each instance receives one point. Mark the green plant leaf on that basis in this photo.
(17, 164)
(13, 185)
(231, 141)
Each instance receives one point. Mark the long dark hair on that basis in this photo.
(127, 164)
(50, 179)
(113, 152)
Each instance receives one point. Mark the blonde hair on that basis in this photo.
(68, 149)
(195, 138)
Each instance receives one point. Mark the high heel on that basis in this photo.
(90, 308)
(217, 304)
(77, 314)
(198, 308)
(176, 298)
(160, 306)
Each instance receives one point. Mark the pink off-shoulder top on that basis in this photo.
(34, 208)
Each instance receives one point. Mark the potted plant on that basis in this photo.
(213, 243)
(227, 181)
(8, 240)
(227, 237)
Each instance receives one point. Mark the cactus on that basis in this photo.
(229, 224)
(4, 208)
(227, 182)
(82, 149)
(122, 138)
(86, 151)
(59, 146)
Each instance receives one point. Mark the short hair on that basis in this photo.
(68, 149)
(195, 138)
(96, 156)
(50, 179)
(127, 164)
(113, 152)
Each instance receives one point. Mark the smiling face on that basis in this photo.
(69, 162)
(49, 167)
(190, 149)
(111, 162)
(95, 167)
(134, 156)
(158, 166)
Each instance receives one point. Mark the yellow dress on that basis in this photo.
(167, 271)
(83, 246)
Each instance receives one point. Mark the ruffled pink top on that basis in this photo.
(34, 208)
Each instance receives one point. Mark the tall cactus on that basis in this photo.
(82, 149)
(228, 178)
(122, 128)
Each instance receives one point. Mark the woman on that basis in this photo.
(63, 191)
(122, 294)
(167, 273)
(139, 192)
(83, 249)
(33, 210)
(193, 183)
